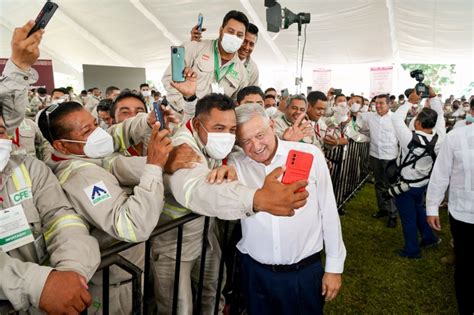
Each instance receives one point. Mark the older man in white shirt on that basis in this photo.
(454, 167)
(281, 267)
(383, 150)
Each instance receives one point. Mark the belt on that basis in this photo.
(294, 267)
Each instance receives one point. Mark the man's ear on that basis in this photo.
(59, 145)
(195, 123)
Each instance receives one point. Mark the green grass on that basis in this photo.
(377, 281)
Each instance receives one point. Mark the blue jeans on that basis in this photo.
(412, 212)
(273, 293)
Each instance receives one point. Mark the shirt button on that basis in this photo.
(248, 214)
(25, 78)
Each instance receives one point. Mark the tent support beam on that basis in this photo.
(94, 40)
(153, 19)
(391, 23)
(9, 27)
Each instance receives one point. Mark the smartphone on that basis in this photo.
(200, 20)
(337, 91)
(44, 16)
(298, 167)
(284, 93)
(177, 63)
(159, 114)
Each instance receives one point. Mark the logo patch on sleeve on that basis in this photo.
(97, 193)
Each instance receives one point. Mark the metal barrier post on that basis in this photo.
(198, 306)
(177, 270)
(221, 266)
(105, 290)
(147, 274)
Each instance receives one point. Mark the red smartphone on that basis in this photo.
(298, 167)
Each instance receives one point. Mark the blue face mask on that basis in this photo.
(469, 118)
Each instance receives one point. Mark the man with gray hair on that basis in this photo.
(278, 263)
(293, 125)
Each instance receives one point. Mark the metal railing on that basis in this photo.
(349, 169)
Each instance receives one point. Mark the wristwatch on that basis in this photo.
(191, 98)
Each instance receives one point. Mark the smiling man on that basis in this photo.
(292, 126)
(280, 257)
(216, 63)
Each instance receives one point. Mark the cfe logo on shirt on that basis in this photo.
(21, 195)
(97, 193)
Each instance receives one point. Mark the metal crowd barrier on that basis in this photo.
(349, 169)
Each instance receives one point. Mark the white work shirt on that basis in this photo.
(383, 143)
(404, 135)
(277, 240)
(454, 167)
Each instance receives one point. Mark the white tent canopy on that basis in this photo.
(139, 32)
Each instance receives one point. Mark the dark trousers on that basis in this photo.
(381, 186)
(463, 235)
(273, 293)
(411, 207)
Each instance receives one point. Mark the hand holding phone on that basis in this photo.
(44, 16)
(200, 21)
(298, 167)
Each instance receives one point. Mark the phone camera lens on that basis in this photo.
(175, 50)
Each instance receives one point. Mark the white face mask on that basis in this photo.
(271, 111)
(146, 93)
(364, 109)
(341, 104)
(5, 150)
(99, 144)
(231, 43)
(355, 107)
(219, 144)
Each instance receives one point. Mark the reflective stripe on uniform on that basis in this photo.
(64, 175)
(174, 212)
(186, 138)
(109, 161)
(21, 178)
(124, 227)
(62, 222)
(118, 137)
(188, 188)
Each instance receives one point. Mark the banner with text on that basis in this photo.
(321, 79)
(380, 80)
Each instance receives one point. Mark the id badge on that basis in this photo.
(216, 88)
(41, 251)
(14, 229)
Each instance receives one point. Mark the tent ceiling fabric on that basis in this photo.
(115, 32)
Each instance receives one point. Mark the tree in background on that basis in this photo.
(436, 75)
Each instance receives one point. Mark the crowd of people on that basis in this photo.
(81, 172)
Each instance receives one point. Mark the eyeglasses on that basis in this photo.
(49, 111)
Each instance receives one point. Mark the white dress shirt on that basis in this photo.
(460, 123)
(277, 240)
(405, 135)
(454, 167)
(383, 143)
